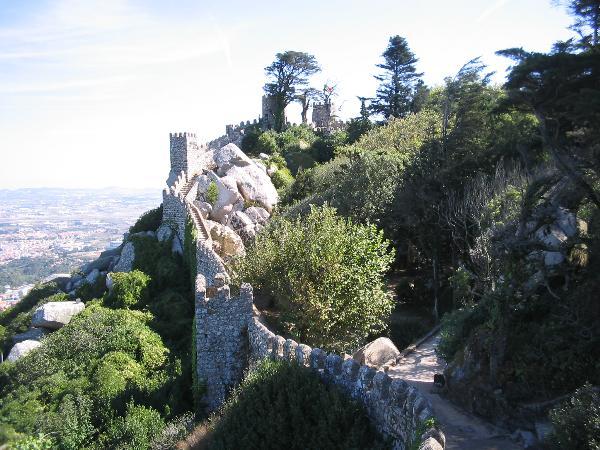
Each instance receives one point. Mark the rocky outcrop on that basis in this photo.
(34, 334)
(377, 353)
(226, 242)
(54, 315)
(125, 263)
(21, 349)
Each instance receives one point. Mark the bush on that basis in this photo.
(212, 193)
(280, 405)
(149, 221)
(67, 387)
(577, 421)
(282, 178)
(137, 429)
(267, 143)
(130, 289)
(326, 276)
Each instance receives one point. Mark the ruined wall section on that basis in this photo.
(221, 338)
(398, 410)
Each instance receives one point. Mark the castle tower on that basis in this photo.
(268, 111)
(186, 155)
(322, 114)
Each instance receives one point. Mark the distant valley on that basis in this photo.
(45, 231)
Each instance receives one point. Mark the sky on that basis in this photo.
(91, 89)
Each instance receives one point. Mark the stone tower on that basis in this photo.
(268, 111)
(322, 114)
(186, 155)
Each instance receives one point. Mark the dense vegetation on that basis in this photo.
(280, 405)
(118, 375)
(325, 277)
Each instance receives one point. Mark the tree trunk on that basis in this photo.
(435, 287)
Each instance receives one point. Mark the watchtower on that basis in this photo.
(186, 155)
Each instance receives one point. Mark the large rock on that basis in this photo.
(378, 353)
(33, 334)
(176, 246)
(240, 220)
(126, 260)
(99, 264)
(567, 221)
(229, 156)
(93, 276)
(22, 348)
(255, 185)
(228, 196)
(225, 241)
(551, 236)
(54, 315)
(257, 214)
(164, 232)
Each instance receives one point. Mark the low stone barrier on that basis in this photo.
(398, 410)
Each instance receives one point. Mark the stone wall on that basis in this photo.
(397, 409)
(221, 338)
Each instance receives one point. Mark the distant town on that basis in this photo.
(48, 232)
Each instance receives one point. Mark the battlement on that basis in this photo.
(182, 135)
(398, 410)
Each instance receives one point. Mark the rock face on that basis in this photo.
(125, 263)
(378, 353)
(226, 242)
(54, 315)
(21, 349)
(34, 334)
(255, 185)
(229, 156)
(164, 232)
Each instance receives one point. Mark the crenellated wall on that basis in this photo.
(398, 410)
(221, 337)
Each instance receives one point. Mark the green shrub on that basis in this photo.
(130, 289)
(280, 405)
(299, 160)
(136, 430)
(149, 221)
(455, 329)
(267, 143)
(212, 193)
(282, 178)
(67, 387)
(249, 143)
(326, 276)
(577, 421)
(40, 442)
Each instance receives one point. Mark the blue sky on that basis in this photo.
(89, 90)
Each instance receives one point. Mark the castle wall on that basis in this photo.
(396, 409)
(221, 338)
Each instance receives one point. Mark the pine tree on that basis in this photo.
(398, 82)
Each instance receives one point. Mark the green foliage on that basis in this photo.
(149, 221)
(130, 289)
(282, 178)
(267, 143)
(398, 81)
(358, 127)
(70, 387)
(576, 422)
(456, 328)
(137, 429)
(280, 405)
(299, 160)
(325, 274)
(212, 193)
(39, 442)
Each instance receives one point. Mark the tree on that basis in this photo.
(398, 82)
(289, 72)
(304, 98)
(324, 274)
(587, 21)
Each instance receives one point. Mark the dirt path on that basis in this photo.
(463, 430)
